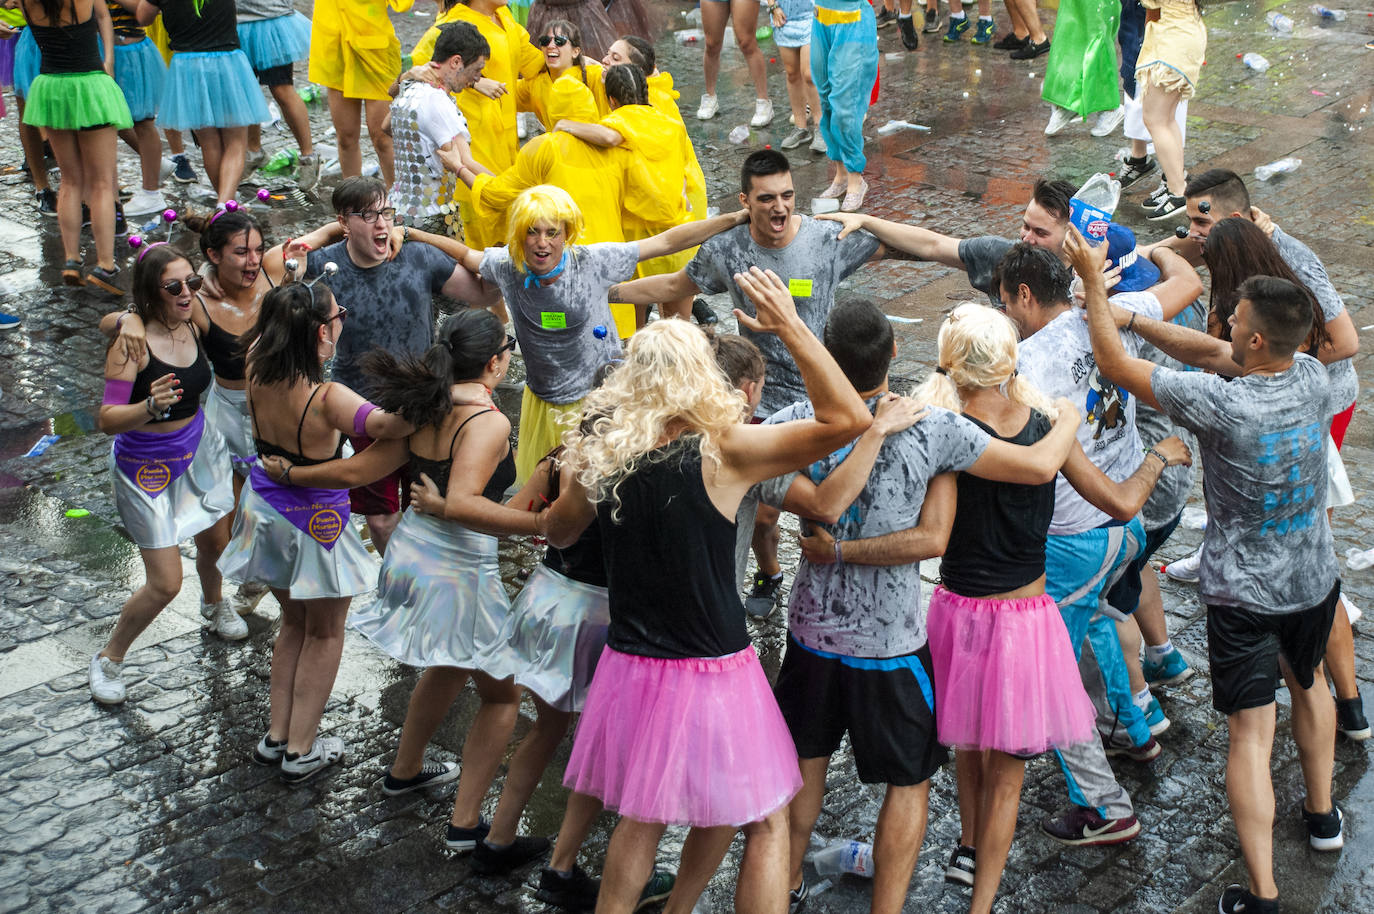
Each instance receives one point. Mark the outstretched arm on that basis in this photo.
(1037, 463)
(920, 243)
(689, 234)
(927, 540)
(1123, 500)
(651, 289)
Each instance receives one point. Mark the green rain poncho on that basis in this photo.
(1081, 74)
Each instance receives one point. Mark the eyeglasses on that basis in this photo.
(193, 283)
(559, 40)
(370, 216)
(342, 316)
(510, 345)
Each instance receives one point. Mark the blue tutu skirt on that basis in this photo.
(141, 75)
(210, 89)
(27, 59)
(275, 42)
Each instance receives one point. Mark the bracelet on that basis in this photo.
(405, 233)
(839, 557)
(286, 475)
(1131, 323)
(1151, 452)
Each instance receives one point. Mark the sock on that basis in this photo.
(1132, 160)
(903, 15)
(1142, 698)
(984, 18)
(1155, 653)
(956, 16)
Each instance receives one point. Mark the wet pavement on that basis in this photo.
(155, 806)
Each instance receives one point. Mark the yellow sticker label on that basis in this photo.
(553, 320)
(799, 288)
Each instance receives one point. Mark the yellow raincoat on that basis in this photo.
(536, 94)
(353, 47)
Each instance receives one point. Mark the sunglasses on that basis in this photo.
(342, 316)
(192, 283)
(559, 40)
(509, 347)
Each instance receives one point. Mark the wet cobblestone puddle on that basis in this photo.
(155, 805)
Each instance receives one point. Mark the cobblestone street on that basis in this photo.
(156, 806)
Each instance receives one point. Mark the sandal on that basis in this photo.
(71, 273)
(835, 189)
(326, 751)
(855, 198)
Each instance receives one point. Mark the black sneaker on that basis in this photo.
(885, 17)
(495, 861)
(932, 21)
(1009, 42)
(1350, 719)
(183, 172)
(575, 891)
(702, 312)
(910, 40)
(1083, 827)
(47, 202)
(961, 866)
(796, 898)
(1238, 900)
(765, 595)
(1030, 50)
(465, 839)
(1324, 831)
(431, 774)
(1136, 170)
(1168, 208)
(658, 888)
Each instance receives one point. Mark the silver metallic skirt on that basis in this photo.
(267, 548)
(440, 601)
(553, 638)
(190, 504)
(226, 411)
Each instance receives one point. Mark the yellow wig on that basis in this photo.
(541, 203)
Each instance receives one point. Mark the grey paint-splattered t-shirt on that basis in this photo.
(812, 265)
(875, 610)
(770, 492)
(390, 306)
(556, 324)
(1171, 492)
(1058, 359)
(1299, 257)
(1267, 547)
(981, 256)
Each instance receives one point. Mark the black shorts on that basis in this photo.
(886, 705)
(1243, 648)
(283, 75)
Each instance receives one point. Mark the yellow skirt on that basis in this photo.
(541, 430)
(360, 69)
(1174, 48)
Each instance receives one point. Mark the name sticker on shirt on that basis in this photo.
(799, 288)
(553, 320)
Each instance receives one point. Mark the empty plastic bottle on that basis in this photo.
(1279, 22)
(1255, 62)
(1092, 207)
(1325, 12)
(281, 161)
(1359, 559)
(845, 857)
(739, 134)
(1282, 166)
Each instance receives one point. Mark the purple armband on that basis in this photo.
(360, 419)
(117, 393)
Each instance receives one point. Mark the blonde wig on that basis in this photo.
(668, 385)
(978, 350)
(541, 203)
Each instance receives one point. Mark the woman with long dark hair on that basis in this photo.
(170, 472)
(297, 540)
(561, 43)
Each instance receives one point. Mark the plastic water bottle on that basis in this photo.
(845, 857)
(149, 227)
(1092, 207)
(689, 36)
(1255, 61)
(273, 115)
(281, 161)
(1282, 166)
(1323, 12)
(1279, 22)
(739, 134)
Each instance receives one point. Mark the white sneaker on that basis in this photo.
(250, 593)
(709, 108)
(326, 751)
(107, 683)
(763, 113)
(144, 202)
(1108, 121)
(224, 621)
(165, 171)
(1185, 570)
(818, 144)
(1059, 119)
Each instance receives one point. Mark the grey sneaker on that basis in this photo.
(932, 21)
(252, 159)
(249, 594)
(798, 136)
(818, 144)
(326, 751)
(107, 682)
(308, 172)
(765, 595)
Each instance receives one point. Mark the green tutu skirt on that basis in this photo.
(76, 101)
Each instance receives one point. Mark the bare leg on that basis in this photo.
(316, 667)
(68, 154)
(1002, 775)
(813, 97)
(1157, 108)
(142, 138)
(1340, 655)
(434, 694)
(1030, 18)
(629, 864)
(209, 544)
(896, 844)
(99, 148)
(744, 18)
(796, 92)
(968, 775)
(255, 137)
(162, 582)
(802, 813)
(376, 111)
(762, 884)
(1251, 792)
(175, 144)
(1128, 633)
(766, 538)
(286, 654)
(701, 855)
(526, 768)
(346, 113)
(234, 145)
(1314, 730)
(212, 153)
(578, 817)
(485, 746)
(379, 529)
(31, 139)
(296, 115)
(714, 15)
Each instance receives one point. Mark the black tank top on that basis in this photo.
(211, 25)
(268, 449)
(670, 562)
(438, 470)
(998, 540)
(584, 560)
(68, 48)
(194, 380)
(223, 349)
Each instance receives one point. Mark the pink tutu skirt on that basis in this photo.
(1005, 675)
(697, 741)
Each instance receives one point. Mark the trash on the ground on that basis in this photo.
(1194, 518)
(895, 126)
(854, 857)
(1254, 61)
(1359, 559)
(739, 134)
(77, 512)
(905, 320)
(688, 36)
(1279, 22)
(1282, 166)
(824, 205)
(693, 15)
(1322, 12)
(892, 55)
(41, 445)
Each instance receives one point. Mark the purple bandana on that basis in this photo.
(154, 461)
(320, 514)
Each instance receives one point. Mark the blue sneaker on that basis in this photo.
(183, 171)
(1171, 671)
(1154, 717)
(8, 321)
(957, 28)
(985, 31)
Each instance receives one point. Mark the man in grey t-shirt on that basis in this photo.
(1269, 574)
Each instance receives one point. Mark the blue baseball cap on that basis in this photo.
(1137, 273)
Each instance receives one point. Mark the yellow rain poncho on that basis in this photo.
(536, 94)
(353, 47)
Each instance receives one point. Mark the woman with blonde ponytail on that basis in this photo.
(1006, 681)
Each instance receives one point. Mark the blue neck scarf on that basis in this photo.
(532, 279)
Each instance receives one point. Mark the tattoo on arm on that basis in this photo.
(613, 296)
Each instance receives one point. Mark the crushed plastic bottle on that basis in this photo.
(1359, 559)
(1279, 22)
(739, 134)
(273, 115)
(1092, 207)
(764, 33)
(1194, 518)
(895, 126)
(1282, 166)
(845, 857)
(1323, 12)
(688, 36)
(1255, 61)
(280, 161)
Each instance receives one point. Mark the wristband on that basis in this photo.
(1150, 451)
(117, 393)
(360, 419)
(839, 558)
(150, 405)
(286, 476)
(1130, 323)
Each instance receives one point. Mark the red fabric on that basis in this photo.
(1340, 423)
